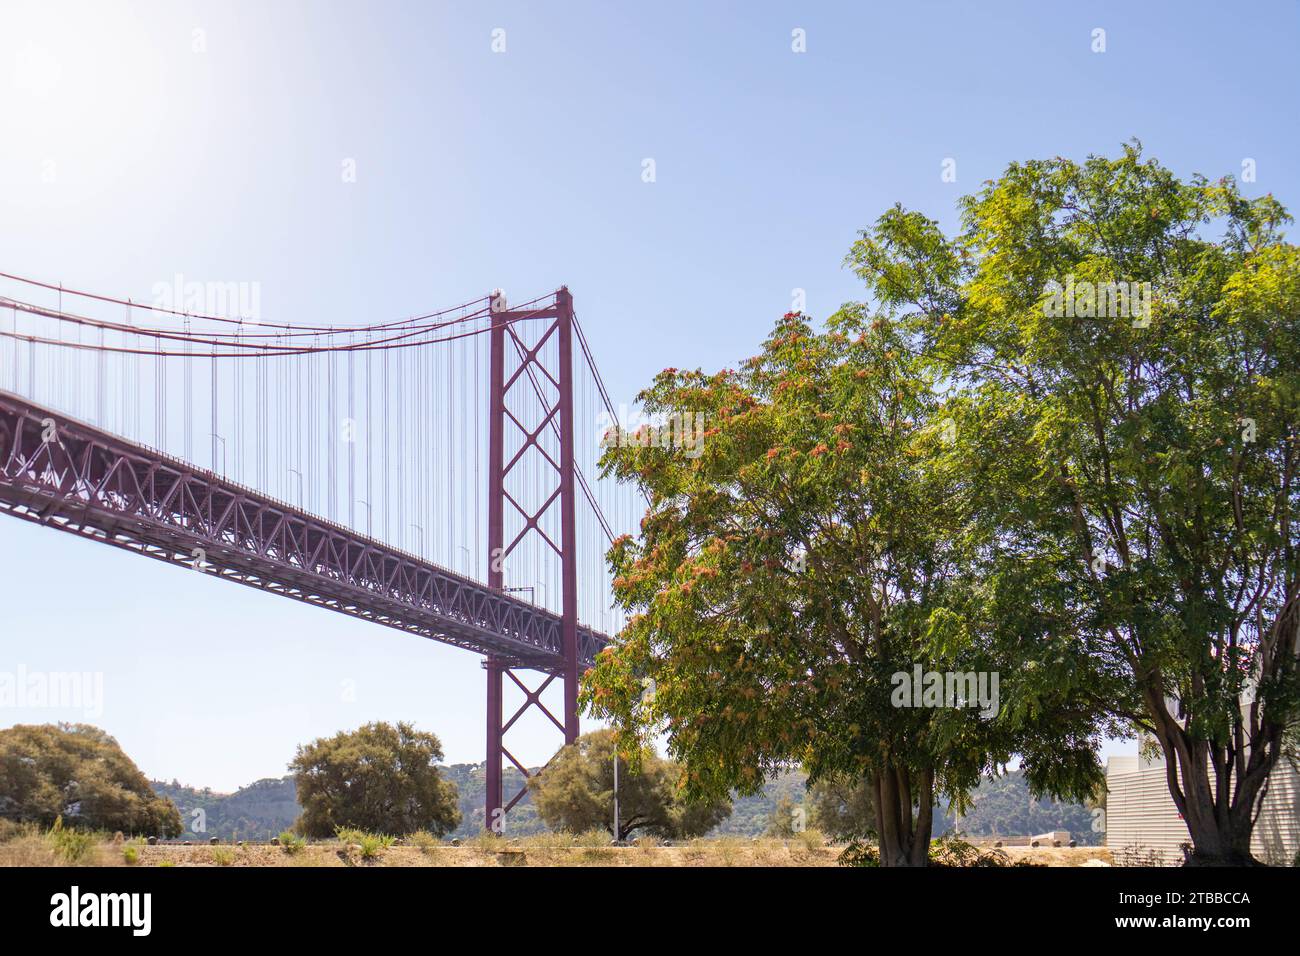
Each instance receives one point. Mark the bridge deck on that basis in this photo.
(89, 482)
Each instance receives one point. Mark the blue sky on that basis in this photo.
(129, 157)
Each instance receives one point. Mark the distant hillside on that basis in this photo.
(266, 808)
(750, 815)
(1003, 807)
(258, 811)
(522, 820)
(263, 809)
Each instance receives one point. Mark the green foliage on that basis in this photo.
(950, 851)
(1004, 806)
(1060, 446)
(78, 775)
(425, 841)
(751, 813)
(1132, 476)
(999, 806)
(379, 778)
(786, 818)
(844, 810)
(576, 793)
(12, 830)
(471, 786)
(262, 809)
(71, 846)
(370, 843)
(291, 843)
(859, 853)
(255, 812)
(131, 855)
(817, 547)
(811, 839)
(223, 856)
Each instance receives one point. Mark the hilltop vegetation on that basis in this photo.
(80, 773)
(470, 780)
(77, 776)
(268, 807)
(258, 811)
(1004, 807)
(576, 794)
(262, 810)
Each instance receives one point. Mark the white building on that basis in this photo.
(1143, 824)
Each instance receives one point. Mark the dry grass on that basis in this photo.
(31, 847)
(1061, 856)
(224, 855)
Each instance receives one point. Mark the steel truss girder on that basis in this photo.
(88, 482)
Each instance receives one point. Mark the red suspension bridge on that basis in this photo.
(375, 470)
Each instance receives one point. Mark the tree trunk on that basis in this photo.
(1215, 786)
(1220, 827)
(904, 838)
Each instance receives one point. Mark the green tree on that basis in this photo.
(1123, 350)
(380, 778)
(576, 793)
(79, 773)
(786, 818)
(844, 810)
(813, 551)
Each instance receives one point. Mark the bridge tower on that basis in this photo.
(559, 315)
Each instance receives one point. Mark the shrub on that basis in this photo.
(223, 855)
(370, 843)
(950, 851)
(859, 854)
(425, 840)
(487, 840)
(945, 852)
(1136, 856)
(576, 793)
(811, 839)
(291, 843)
(11, 829)
(591, 838)
(70, 846)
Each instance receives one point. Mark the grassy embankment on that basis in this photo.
(31, 847)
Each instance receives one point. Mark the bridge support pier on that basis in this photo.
(493, 817)
(499, 418)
